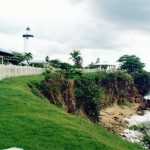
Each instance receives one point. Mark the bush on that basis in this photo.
(146, 140)
(35, 89)
(47, 72)
(145, 129)
(87, 94)
(73, 90)
(72, 74)
(142, 82)
(52, 86)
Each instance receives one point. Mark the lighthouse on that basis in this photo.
(26, 37)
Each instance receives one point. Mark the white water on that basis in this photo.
(147, 96)
(136, 136)
(136, 119)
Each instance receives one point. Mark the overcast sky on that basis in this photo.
(105, 29)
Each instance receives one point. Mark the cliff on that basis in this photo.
(89, 93)
(119, 89)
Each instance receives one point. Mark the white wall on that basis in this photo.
(7, 71)
(96, 70)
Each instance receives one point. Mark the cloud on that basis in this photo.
(125, 14)
(98, 28)
(58, 21)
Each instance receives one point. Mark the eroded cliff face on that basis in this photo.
(60, 92)
(124, 100)
(90, 94)
(120, 90)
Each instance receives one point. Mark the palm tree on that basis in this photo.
(47, 59)
(77, 59)
(28, 56)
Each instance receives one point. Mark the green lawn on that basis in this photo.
(32, 123)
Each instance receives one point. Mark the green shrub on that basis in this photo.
(123, 75)
(47, 72)
(134, 127)
(35, 89)
(72, 74)
(142, 82)
(51, 87)
(87, 94)
(74, 90)
(145, 129)
(146, 140)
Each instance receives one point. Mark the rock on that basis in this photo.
(147, 101)
(126, 122)
(141, 107)
(116, 118)
(121, 114)
(140, 112)
(138, 100)
(123, 135)
(144, 105)
(132, 100)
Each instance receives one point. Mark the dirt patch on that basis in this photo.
(112, 118)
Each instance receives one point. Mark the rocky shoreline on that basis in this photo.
(138, 130)
(113, 117)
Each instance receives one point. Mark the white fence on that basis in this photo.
(7, 71)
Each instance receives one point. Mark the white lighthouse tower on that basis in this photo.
(26, 37)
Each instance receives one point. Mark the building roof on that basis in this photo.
(5, 53)
(36, 61)
(106, 63)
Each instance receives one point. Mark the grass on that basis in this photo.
(32, 123)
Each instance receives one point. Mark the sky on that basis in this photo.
(105, 29)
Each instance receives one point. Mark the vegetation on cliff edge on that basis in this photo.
(88, 92)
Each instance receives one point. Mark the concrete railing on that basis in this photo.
(7, 71)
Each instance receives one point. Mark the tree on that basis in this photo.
(16, 59)
(28, 56)
(77, 59)
(47, 59)
(65, 66)
(93, 65)
(131, 63)
(97, 61)
(142, 82)
(55, 63)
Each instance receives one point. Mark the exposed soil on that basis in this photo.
(112, 118)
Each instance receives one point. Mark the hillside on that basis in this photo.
(32, 123)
